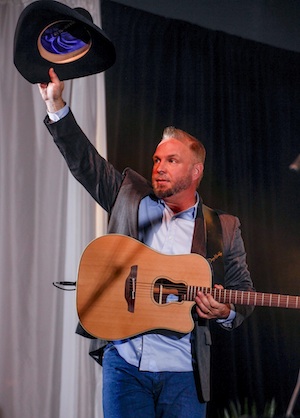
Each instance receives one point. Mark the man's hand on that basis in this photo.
(52, 92)
(208, 308)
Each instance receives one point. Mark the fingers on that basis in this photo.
(204, 305)
(53, 76)
(51, 92)
(207, 307)
(55, 82)
(53, 79)
(43, 90)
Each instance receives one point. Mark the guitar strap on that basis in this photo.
(214, 243)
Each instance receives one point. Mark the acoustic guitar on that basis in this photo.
(125, 288)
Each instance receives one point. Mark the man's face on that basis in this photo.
(173, 168)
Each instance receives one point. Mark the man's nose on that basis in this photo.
(160, 168)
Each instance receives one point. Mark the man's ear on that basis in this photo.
(198, 171)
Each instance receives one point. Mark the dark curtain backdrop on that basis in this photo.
(242, 99)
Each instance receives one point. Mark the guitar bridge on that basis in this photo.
(130, 288)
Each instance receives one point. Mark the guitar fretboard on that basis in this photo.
(241, 297)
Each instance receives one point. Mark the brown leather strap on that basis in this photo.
(214, 243)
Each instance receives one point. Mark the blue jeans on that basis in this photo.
(128, 392)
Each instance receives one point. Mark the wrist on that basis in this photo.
(227, 322)
(226, 311)
(55, 105)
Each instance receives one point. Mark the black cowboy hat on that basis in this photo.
(51, 34)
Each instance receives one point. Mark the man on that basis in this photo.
(163, 373)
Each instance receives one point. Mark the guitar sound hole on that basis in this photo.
(166, 291)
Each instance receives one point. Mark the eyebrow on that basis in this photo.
(168, 156)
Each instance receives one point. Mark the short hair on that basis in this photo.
(193, 143)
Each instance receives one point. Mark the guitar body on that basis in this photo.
(125, 288)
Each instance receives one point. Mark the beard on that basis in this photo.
(163, 191)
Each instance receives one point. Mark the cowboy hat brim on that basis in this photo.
(35, 52)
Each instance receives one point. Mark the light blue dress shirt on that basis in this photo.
(168, 233)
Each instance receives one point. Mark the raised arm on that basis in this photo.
(97, 175)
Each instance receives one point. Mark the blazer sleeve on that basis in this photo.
(237, 275)
(96, 174)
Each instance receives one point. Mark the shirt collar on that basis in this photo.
(188, 214)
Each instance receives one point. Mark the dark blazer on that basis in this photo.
(120, 195)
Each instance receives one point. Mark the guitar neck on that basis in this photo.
(242, 297)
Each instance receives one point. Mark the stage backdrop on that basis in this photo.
(242, 99)
(46, 220)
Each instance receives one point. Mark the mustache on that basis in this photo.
(160, 178)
